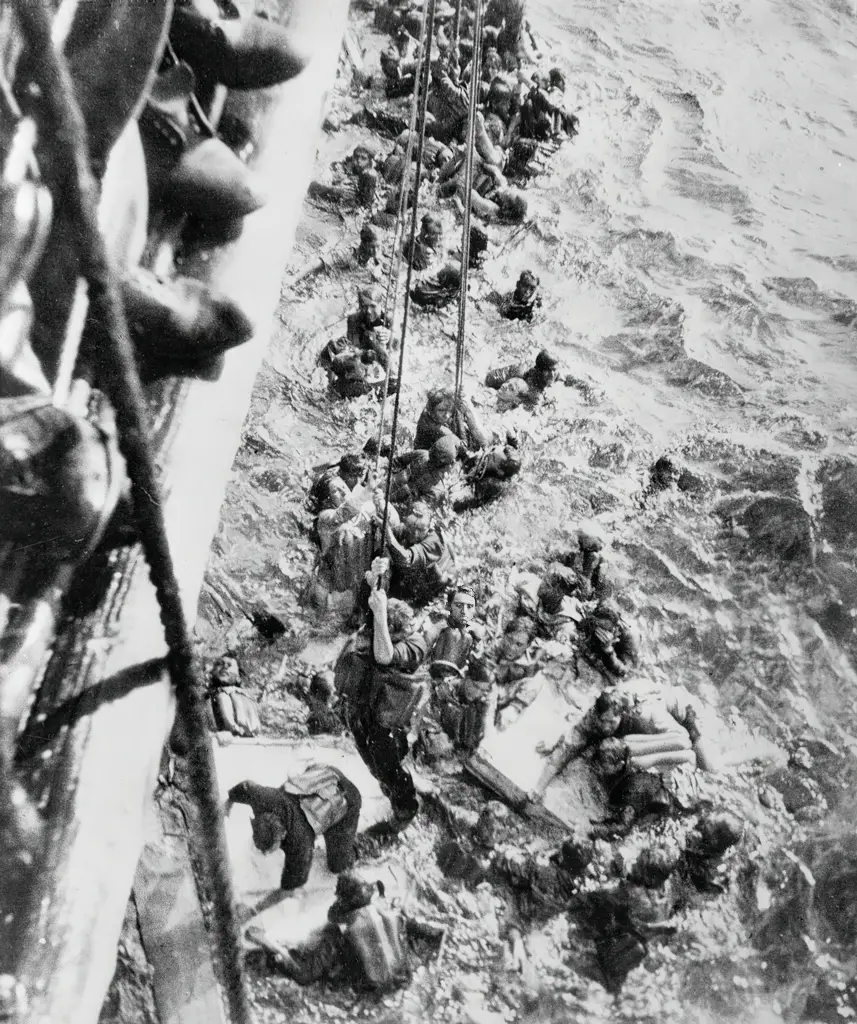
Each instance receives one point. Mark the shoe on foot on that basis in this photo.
(180, 321)
(200, 175)
(240, 52)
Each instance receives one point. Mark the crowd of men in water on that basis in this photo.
(433, 693)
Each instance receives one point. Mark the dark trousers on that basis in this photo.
(299, 844)
(383, 751)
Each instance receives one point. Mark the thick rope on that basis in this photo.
(66, 135)
(456, 27)
(424, 91)
(396, 266)
(475, 78)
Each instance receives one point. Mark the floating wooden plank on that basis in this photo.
(90, 753)
(509, 763)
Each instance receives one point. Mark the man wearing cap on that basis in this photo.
(423, 562)
(320, 801)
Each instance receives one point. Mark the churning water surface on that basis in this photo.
(714, 173)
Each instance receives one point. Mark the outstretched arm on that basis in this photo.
(382, 645)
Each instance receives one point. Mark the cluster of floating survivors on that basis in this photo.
(436, 693)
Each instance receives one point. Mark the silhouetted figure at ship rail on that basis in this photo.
(384, 695)
(319, 802)
(362, 944)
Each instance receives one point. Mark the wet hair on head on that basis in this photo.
(463, 588)
(607, 701)
(576, 854)
(437, 396)
(400, 616)
(352, 462)
(371, 293)
(528, 279)
(611, 756)
(421, 509)
(267, 830)
(322, 490)
(352, 893)
(513, 207)
(556, 79)
(362, 150)
(546, 360)
(719, 831)
(444, 451)
(654, 866)
(550, 597)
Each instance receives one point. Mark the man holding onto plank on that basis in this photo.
(659, 727)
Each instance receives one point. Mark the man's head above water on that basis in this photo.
(462, 606)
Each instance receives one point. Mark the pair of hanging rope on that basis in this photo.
(66, 136)
(406, 309)
(398, 235)
(469, 160)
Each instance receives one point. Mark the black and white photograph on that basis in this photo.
(428, 511)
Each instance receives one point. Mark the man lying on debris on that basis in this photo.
(633, 792)
(320, 801)
(362, 944)
(233, 709)
(660, 726)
